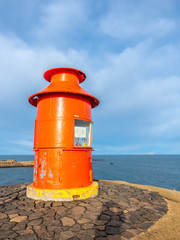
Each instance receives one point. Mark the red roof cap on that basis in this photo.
(48, 74)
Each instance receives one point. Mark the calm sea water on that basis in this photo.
(156, 170)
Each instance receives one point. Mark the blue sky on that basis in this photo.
(130, 52)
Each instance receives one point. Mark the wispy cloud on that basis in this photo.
(24, 143)
(60, 22)
(122, 149)
(138, 20)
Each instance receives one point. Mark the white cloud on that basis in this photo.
(163, 124)
(127, 20)
(124, 148)
(59, 22)
(140, 78)
(23, 143)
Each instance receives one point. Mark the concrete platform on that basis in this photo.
(120, 211)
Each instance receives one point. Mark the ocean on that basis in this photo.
(156, 170)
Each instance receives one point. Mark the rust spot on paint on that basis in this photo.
(75, 197)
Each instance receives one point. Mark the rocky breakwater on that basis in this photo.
(118, 212)
(13, 163)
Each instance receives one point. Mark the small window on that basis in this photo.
(82, 133)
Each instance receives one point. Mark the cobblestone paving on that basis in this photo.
(118, 212)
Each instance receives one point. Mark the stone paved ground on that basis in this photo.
(118, 212)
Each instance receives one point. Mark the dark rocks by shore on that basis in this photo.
(118, 212)
(13, 163)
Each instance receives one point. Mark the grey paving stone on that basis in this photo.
(118, 212)
(67, 221)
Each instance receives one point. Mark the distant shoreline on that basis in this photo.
(10, 163)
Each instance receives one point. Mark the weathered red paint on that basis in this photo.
(58, 163)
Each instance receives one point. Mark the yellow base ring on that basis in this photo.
(62, 194)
